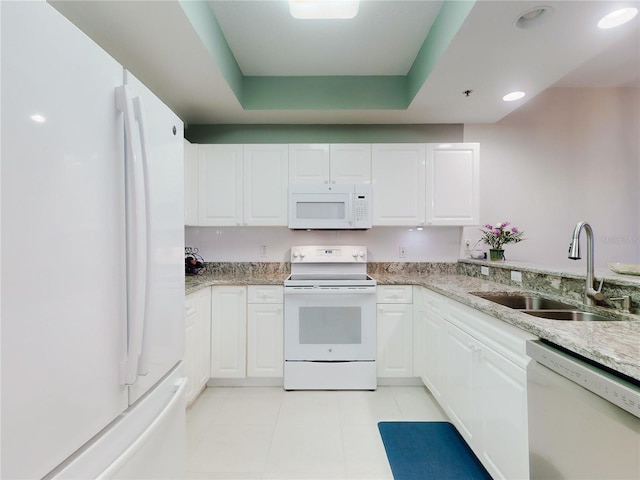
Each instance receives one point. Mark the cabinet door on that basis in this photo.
(220, 186)
(203, 331)
(453, 184)
(190, 347)
(308, 163)
(265, 356)
(350, 163)
(433, 331)
(228, 331)
(395, 340)
(190, 183)
(197, 338)
(398, 178)
(460, 404)
(502, 398)
(266, 177)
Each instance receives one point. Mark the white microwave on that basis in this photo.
(330, 207)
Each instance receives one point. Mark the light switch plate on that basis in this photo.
(516, 276)
(484, 270)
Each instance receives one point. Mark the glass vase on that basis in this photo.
(496, 254)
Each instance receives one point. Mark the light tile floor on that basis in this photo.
(266, 433)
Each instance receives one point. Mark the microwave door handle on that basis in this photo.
(351, 209)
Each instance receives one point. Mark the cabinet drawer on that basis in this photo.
(394, 294)
(265, 294)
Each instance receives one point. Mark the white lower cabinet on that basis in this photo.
(265, 355)
(228, 331)
(246, 331)
(429, 330)
(475, 365)
(395, 331)
(197, 334)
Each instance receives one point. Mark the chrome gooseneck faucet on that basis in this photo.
(590, 294)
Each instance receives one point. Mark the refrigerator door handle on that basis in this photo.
(136, 241)
(138, 109)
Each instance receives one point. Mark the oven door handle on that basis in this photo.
(330, 291)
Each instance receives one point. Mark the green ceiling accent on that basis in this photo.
(206, 26)
(328, 92)
(450, 18)
(325, 93)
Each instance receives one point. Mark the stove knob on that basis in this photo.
(302, 253)
(361, 253)
(295, 253)
(355, 253)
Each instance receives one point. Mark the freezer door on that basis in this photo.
(63, 240)
(148, 442)
(159, 327)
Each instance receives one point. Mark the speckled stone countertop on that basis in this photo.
(197, 282)
(613, 344)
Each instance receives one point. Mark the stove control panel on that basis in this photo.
(329, 254)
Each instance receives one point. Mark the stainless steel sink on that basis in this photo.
(524, 301)
(542, 307)
(570, 315)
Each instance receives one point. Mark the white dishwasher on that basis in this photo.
(584, 421)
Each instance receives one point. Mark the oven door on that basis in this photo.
(330, 323)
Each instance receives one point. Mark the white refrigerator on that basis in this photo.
(92, 249)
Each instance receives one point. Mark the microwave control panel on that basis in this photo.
(361, 208)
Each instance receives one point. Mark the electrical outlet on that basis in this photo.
(263, 251)
(467, 243)
(516, 276)
(484, 270)
(402, 252)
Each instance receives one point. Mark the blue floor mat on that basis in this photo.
(429, 451)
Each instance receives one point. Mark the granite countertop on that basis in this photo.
(193, 283)
(613, 344)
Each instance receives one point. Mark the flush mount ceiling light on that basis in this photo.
(617, 18)
(323, 9)
(510, 97)
(534, 17)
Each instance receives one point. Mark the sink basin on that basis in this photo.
(570, 315)
(524, 301)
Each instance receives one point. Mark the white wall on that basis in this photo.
(242, 244)
(565, 156)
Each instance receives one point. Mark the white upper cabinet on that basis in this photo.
(325, 163)
(453, 184)
(308, 163)
(413, 184)
(398, 178)
(266, 176)
(350, 163)
(243, 185)
(220, 186)
(190, 183)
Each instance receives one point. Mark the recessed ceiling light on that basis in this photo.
(617, 18)
(510, 97)
(534, 17)
(36, 117)
(323, 9)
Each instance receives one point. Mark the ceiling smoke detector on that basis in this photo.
(534, 17)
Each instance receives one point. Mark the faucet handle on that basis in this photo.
(626, 302)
